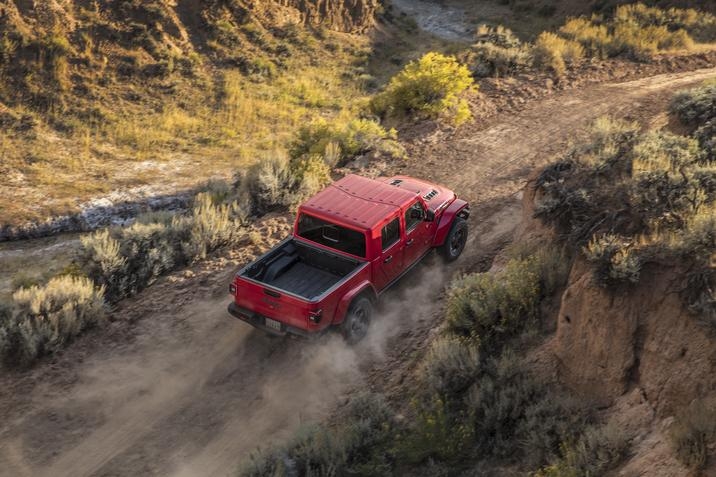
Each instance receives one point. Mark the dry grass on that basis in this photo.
(192, 120)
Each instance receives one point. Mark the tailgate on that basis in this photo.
(268, 302)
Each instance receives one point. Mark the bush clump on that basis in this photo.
(498, 52)
(436, 432)
(696, 107)
(428, 88)
(126, 260)
(693, 430)
(357, 447)
(338, 143)
(490, 307)
(597, 451)
(511, 408)
(556, 53)
(706, 137)
(42, 319)
(277, 181)
(615, 261)
(451, 366)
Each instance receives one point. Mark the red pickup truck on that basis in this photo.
(350, 242)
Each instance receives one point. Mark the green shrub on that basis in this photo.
(498, 52)
(277, 182)
(641, 43)
(669, 184)
(126, 260)
(514, 411)
(497, 35)
(696, 106)
(215, 225)
(664, 152)
(596, 452)
(435, 433)
(339, 143)
(615, 261)
(359, 446)
(692, 432)
(592, 35)
(491, 306)
(610, 141)
(451, 366)
(370, 429)
(316, 451)
(428, 88)
(706, 137)
(493, 60)
(556, 53)
(42, 319)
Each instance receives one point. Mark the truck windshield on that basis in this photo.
(331, 235)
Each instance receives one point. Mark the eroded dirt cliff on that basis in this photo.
(634, 354)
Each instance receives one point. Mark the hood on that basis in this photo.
(436, 196)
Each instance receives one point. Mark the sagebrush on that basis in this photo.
(43, 319)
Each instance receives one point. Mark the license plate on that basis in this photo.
(273, 324)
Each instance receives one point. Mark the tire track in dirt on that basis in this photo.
(195, 392)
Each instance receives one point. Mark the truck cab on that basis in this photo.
(350, 243)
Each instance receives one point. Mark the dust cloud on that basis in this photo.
(306, 380)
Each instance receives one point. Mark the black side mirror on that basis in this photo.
(429, 216)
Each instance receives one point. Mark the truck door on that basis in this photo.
(391, 258)
(418, 236)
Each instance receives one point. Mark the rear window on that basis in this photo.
(331, 235)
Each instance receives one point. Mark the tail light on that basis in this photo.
(315, 316)
(232, 289)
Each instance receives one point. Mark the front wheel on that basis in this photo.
(355, 325)
(455, 240)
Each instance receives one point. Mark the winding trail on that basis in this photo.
(188, 391)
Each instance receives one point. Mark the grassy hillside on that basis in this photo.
(98, 96)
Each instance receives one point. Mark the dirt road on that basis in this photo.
(185, 390)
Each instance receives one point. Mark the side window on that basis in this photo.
(413, 216)
(391, 233)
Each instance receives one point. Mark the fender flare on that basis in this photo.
(342, 308)
(458, 208)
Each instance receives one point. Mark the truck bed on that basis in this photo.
(301, 269)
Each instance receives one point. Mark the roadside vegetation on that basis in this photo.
(636, 32)
(40, 320)
(476, 401)
(629, 198)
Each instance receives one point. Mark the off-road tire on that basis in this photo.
(355, 325)
(455, 240)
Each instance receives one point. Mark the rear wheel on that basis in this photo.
(355, 325)
(455, 240)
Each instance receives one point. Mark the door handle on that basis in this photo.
(410, 242)
(388, 260)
